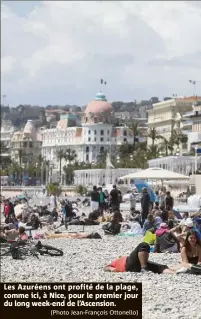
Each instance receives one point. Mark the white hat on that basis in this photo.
(188, 222)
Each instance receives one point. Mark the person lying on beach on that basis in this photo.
(138, 260)
(13, 234)
(73, 235)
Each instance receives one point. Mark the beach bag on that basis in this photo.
(149, 238)
(195, 270)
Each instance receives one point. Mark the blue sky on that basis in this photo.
(56, 52)
(22, 8)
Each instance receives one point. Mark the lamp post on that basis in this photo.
(22, 177)
(50, 173)
(36, 170)
(196, 158)
(177, 151)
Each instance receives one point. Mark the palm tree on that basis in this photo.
(178, 138)
(70, 155)
(153, 151)
(60, 154)
(153, 134)
(167, 146)
(68, 170)
(20, 154)
(134, 127)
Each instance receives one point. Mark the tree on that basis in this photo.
(20, 154)
(178, 138)
(153, 134)
(53, 189)
(60, 154)
(81, 190)
(153, 151)
(70, 155)
(167, 145)
(69, 173)
(134, 127)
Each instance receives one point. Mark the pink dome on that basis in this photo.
(99, 105)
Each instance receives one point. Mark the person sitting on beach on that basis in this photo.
(13, 234)
(138, 260)
(157, 217)
(183, 229)
(72, 235)
(166, 241)
(149, 224)
(191, 251)
(114, 227)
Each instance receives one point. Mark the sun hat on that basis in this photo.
(188, 222)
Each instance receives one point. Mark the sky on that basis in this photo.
(57, 52)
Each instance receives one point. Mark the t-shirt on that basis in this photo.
(102, 198)
(114, 196)
(119, 264)
(95, 196)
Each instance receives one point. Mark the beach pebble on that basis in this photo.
(164, 296)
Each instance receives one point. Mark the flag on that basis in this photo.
(105, 83)
(141, 184)
(101, 81)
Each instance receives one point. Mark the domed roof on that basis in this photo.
(30, 129)
(99, 105)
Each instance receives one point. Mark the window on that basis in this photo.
(95, 132)
(89, 132)
(125, 139)
(108, 132)
(101, 139)
(89, 139)
(101, 132)
(95, 119)
(87, 157)
(87, 149)
(94, 139)
(30, 144)
(101, 149)
(125, 133)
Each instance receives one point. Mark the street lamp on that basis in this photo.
(118, 159)
(177, 151)
(196, 158)
(36, 171)
(22, 177)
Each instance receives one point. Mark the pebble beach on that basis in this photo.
(164, 296)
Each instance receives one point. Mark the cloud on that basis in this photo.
(58, 52)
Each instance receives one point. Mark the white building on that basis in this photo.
(163, 115)
(191, 122)
(96, 134)
(7, 131)
(26, 145)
